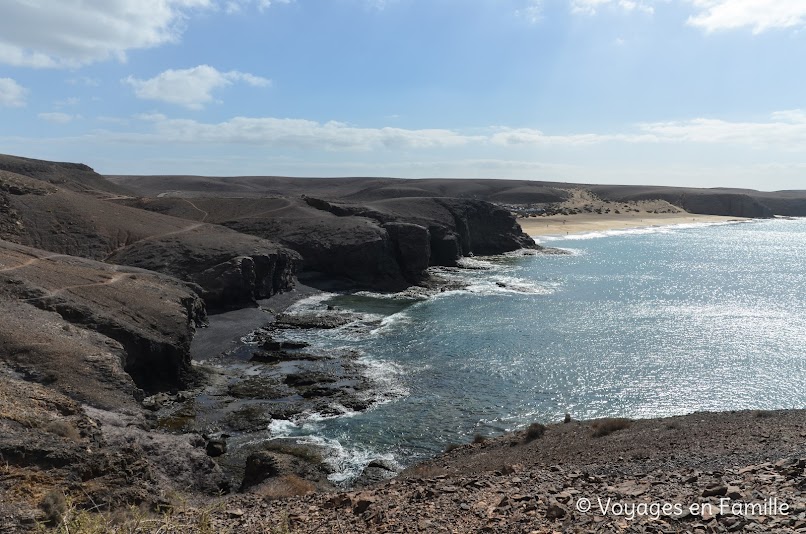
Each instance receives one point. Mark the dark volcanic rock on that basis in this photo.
(147, 319)
(229, 268)
(260, 465)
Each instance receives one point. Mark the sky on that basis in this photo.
(707, 93)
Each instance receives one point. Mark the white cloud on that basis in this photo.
(235, 6)
(58, 117)
(295, 133)
(191, 88)
(785, 130)
(532, 11)
(760, 15)
(590, 7)
(12, 94)
(71, 33)
(528, 136)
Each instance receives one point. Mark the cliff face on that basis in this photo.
(389, 244)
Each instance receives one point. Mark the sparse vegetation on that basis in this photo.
(606, 426)
(479, 438)
(65, 517)
(55, 506)
(534, 431)
(451, 447)
(63, 429)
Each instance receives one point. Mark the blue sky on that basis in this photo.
(677, 92)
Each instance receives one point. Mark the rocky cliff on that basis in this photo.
(385, 244)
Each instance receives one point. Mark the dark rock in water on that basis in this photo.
(293, 345)
(382, 464)
(326, 322)
(283, 356)
(271, 344)
(249, 418)
(377, 471)
(308, 379)
(260, 465)
(216, 447)
(318, 391)
(259, 387)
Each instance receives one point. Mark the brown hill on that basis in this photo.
(230, 268)
(716, 201)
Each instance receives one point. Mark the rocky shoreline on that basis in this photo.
(117, 390)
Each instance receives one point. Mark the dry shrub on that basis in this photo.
(286, 486)
(534, 431)
(63, 429)
(451, 447)
(606, 426)
(55, 506)
(479, 438)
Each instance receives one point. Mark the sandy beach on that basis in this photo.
(593, 222)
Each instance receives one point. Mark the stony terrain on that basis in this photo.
(722, 472)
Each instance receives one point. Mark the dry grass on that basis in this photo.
(534, 431)
(67, 518)
(606, 426)
(63, 429)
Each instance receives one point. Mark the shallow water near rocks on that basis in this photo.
(637, 323)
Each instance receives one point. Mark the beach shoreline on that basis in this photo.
(558, 225)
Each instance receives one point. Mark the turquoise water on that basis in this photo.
(639, 323)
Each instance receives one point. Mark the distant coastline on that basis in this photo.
(585, 223)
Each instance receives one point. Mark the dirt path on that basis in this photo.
(29, 262)
(153, 237)
(204, 213)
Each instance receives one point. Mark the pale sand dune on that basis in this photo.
(593, 222)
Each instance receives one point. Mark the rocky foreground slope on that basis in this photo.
(701, 473)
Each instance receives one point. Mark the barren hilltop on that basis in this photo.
(104, 282)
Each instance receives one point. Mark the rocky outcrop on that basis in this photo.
(145, 322)
(229, 269)
(436, 231)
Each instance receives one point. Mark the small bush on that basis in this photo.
(534, 431)
(63, 429)
(55, 506)
(603, 427)
(452, 447)
(479, 438)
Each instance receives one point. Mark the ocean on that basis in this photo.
(634, 323)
